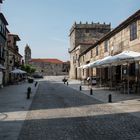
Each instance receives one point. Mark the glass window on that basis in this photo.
(96, 50)
(106, 46)
(133, 31)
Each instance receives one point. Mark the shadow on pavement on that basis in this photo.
(103, 127)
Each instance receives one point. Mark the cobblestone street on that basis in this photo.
(61, 113)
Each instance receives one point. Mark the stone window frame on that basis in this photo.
(97, 50)
(133, 31)
(106, 46)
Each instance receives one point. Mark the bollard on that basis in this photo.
(67, 83)
(110, 98)
(36, 84)
(80, 88)
(28, 92)
(91, 91)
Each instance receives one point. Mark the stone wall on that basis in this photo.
(49, 68)
(117, 43)
(84, 35)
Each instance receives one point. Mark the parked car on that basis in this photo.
(92, 79)
(37, 76)
(30, 80)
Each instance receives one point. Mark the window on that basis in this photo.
(76, 57)
(91, 53)
(96, 50)
(73, 59)
(83, 59)
(87, 30)
(0, 51)
(106, 46)
(133, 31)
(83, 72)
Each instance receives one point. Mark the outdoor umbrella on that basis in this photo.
(125, 56)
(18, 71)
(94, 63)
(2, 67)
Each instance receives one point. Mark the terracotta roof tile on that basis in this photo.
(55, 61)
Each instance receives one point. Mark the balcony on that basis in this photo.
(16, 48)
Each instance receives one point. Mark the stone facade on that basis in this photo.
(3, 49)
(9, 52)
(82, 36)
(50, 66)
(14, 57)
(125, 36)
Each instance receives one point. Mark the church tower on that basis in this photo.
(27, 53)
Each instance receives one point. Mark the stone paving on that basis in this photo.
(62, 113)
(126, 102)
(13, 109)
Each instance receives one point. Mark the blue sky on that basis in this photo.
(45, 24)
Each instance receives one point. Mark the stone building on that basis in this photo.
(125, 37)
(14, 57)
(3, 48)
(66, 67)
(82, 36)
(27, 53)
(50, 66)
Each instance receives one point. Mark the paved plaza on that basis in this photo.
(60, 112)
(13, 109)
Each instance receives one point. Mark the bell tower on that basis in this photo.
(27, 53)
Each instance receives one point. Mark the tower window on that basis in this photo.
(87, 30)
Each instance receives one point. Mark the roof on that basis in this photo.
(121, 26)
(15, 36)
(89, 26)
(27, 46)
(7, 30)
(15, 52)
(1, 1)
(3, 19)
(82, 43)
(46, 60)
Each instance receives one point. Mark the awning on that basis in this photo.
(18, 71)
(126, 56)
(84, 66)
(2, 67)
(94, 63)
